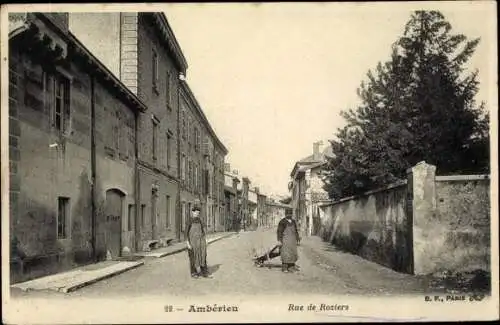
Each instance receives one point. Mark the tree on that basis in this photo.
(419, 105)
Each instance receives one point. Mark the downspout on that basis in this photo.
(93, 167)
(179, 217)
(138, 209)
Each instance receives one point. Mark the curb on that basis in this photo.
(94, 280)
(69, 287)
(181, 249)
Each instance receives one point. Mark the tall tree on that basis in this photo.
(419, 105)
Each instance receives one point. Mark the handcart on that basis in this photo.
(274, 252)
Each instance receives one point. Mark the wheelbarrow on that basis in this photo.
(272, 253)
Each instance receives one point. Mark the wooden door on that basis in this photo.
(113, 226)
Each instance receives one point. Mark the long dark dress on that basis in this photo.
(197, 240)
(288, 235)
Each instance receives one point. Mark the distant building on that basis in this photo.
(262, 212)
(231, 182)
(276, 211)
(243, 204)
(201, 154)
(252, 220)
(307, 190)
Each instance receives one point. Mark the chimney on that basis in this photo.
(227, 167)
(316, 153)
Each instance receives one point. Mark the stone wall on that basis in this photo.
(51, 169)
(455, 234)
(46, 165)
(423, 225)
(374, 226)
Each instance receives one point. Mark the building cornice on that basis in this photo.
(79, 53)
(146, 165)
(168, 37)
(104, 74)
(191, 97)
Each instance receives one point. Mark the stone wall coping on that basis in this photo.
(462, 178)
(381, 189)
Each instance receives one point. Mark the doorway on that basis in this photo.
(113, 222)
(154, 217)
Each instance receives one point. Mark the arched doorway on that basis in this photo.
(113, 221)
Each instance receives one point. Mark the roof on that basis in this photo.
(310, 162)
(278, 204)
(192, 98)
(106, 75)
(78, 49)
(161, 23)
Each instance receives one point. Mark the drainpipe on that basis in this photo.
(138, 208)
(179, 217)
(93, 166)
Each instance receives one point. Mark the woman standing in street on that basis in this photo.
(288, 239)
(197, 245)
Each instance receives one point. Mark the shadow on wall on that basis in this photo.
(35, 249)
(440, 248)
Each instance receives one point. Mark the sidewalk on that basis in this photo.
(77, 278)
(179, 247)
(359, 272)
(86, 275)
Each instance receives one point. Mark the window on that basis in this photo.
(190, 175)
(188, 133)
(186, 171)
(143, 215)
(168, 90)
(62, 217)
(198, 139)
(60, 107)
(198, 181)
(183, 216)
(183, 167)
(196, 178)
(116, 132)
(184, 124)
(169, 150)
(155, 139)
(195, 138)
(131, 139)
(155, 71)
(167, 218)
(131, 213)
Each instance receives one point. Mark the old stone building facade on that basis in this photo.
(231, 182)
(95, 133)
(72, 128)
(276, 211)
(307, 190)
(201, 153)
(150, 64)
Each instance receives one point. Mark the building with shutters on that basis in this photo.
(95, 137)
(307, 190)
(150, 63)
(72, 152)
(201, 156)
(231, 182)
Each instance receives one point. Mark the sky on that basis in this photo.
(273, 78)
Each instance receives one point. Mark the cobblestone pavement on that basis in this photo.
(322, 271)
